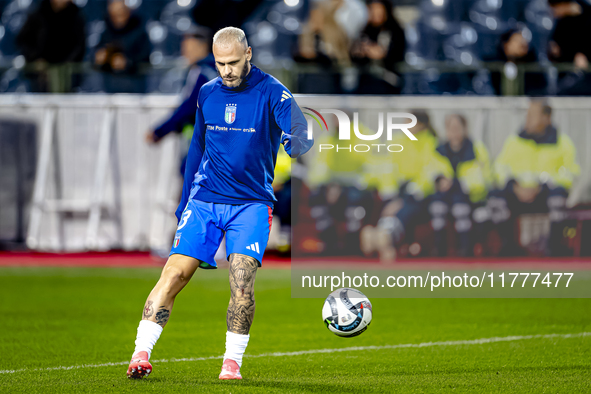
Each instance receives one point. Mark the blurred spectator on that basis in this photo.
(534, 172)
(413, 185)
(196, 49)
(351, 16)
(122, 47)
(462, 176)
(513, 47)
(323, 40)
(382, 39)
(573, 25)
(569, 43)
(51, 38)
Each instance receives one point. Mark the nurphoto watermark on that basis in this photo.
(344, 130)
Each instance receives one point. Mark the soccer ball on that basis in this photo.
(347, 312)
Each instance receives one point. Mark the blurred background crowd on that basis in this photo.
(482, 47)
(442, 195)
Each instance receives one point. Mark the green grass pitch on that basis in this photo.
(69, 317)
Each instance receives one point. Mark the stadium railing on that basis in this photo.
(512, 76)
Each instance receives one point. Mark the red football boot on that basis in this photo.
(230, 370)
(139, 366)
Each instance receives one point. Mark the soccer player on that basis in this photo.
(242, 117)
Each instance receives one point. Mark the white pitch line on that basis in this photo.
(319, 351)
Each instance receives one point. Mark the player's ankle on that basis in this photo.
(148, 333)
(236, 346)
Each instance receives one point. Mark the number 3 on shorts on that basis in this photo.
(184, 219)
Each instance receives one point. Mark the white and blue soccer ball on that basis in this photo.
(347, 312)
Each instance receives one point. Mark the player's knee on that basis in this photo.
(173, 277)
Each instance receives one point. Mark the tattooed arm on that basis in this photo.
(241, 309)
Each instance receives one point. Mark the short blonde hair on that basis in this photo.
(230, 35)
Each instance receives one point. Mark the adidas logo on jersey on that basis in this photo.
(286, 96)
(254, 247)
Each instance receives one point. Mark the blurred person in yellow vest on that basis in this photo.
(411, 186)
(534, 172)
(343, 197)
(342, 165)
(462, 177)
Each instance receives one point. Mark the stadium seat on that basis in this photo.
(92, 82)
(273, 30)
(449, 10)
(491, 18)
(13, 80)
(507, 11)
(93, 9)
(176, 16)
(13, 18)
(433, 32)
(540, 21)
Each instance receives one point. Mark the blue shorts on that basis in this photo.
(203, 225)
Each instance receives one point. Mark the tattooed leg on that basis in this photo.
(243, 271)
(241, 309)
(176, 274)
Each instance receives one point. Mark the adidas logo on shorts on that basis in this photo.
(254, 247)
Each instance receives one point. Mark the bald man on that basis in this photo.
(242, 117)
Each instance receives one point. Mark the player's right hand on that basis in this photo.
(152, 138)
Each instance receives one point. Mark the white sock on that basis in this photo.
(148, 333)
(235, 346)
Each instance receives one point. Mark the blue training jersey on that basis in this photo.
(237, 135)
